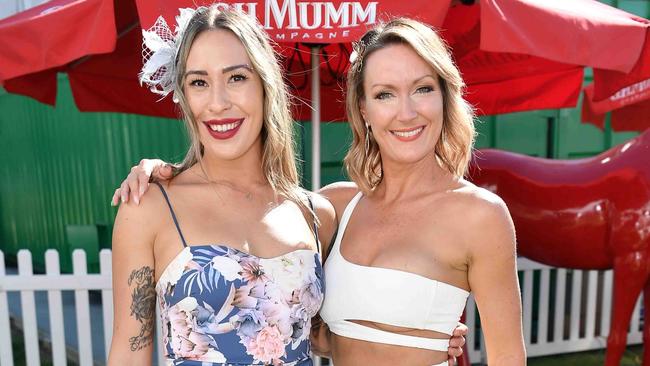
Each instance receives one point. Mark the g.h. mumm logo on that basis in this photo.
(310, 20)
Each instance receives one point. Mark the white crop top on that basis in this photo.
(387, 296)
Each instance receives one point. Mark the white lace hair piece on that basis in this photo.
(159, 50)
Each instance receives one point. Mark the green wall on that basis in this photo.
(60, 168)
(525, 132)
(549, 133)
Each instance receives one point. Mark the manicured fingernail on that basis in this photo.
(142, 190)
(137, 200)
(123, 199)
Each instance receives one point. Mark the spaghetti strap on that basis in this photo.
(311, 205)
(178, 228)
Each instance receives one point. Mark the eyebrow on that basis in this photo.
(235, 67)
(225, 70)
(414, 81)
(196, 72)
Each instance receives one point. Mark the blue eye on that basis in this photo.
(382, 95)
(425, 89)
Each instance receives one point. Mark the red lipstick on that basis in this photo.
(222, 129)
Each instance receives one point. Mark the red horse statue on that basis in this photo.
(589, 213)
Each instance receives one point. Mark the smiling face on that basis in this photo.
(403, 104)
(225, 95)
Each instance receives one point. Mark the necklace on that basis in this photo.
(247, 194)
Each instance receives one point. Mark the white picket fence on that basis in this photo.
(590, 307)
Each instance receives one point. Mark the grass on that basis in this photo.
(633, 356)
(18, 349)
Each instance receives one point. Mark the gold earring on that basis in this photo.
(367, 142)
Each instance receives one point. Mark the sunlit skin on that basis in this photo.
(423, 220)
(228, 202)
(220, 84)
(402, 97)
(413, 156)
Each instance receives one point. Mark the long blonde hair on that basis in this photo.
(454, 148)
(278, 157)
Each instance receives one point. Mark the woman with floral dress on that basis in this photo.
(229, 248)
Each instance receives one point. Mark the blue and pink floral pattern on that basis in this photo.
(221, 306)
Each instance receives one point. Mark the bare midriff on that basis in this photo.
(353, 352)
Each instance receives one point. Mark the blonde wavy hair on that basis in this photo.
(454, 147)
(278, 157)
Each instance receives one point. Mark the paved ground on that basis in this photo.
(69, 317)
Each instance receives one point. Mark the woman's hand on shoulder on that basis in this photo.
(137, 182)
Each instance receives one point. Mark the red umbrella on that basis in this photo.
(629, 107)
(40, 38)
(108, 82)
(518, 55)
(621, 74)
(294, 24)
(96, 53)
(514, 55)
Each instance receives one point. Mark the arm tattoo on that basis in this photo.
(143, 302)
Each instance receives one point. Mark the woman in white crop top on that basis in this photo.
(414, 237)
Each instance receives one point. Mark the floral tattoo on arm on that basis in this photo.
(143, 302)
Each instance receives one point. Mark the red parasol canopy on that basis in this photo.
(41, 37)
(108, 82)
(629, 107)
(515, 55)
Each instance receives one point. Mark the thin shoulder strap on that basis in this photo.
(345, 218)
(311, 205)
(178, 228)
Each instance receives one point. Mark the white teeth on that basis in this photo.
(407, 133)
(224, 128)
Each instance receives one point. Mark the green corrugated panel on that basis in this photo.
(524, 132)
(638, 7)
(335, 141)
(60, 167)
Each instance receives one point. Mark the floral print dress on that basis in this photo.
(221, 306)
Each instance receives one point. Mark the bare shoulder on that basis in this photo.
(140, 221)
(486, 223)
(323, 207)
(328, 221)
(480, 199)
(339, 194)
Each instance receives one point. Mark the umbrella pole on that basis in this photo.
(315, 133)
(315, 119)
